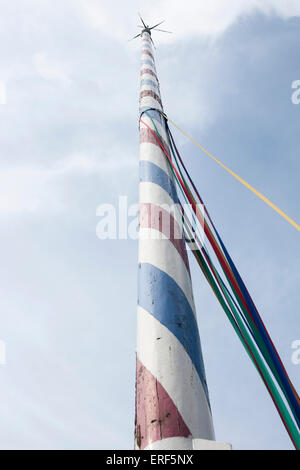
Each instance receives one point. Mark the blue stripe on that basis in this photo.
(148, 62)
(161, 296)
(147, 46)
(150, 83)
(155, 115)
(151, 173)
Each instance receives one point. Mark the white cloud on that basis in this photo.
(26, 189)
(2, 92)
(184, 18)
(65, 149)
(32, 189)
(51, 70)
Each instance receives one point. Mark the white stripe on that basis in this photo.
(171, 443)
(185, 443)
(149, 102)
(156, 249)
(149, 88)
(154, 87)
(152, 153)
(145, 56)
(170, 364)
(147, 76)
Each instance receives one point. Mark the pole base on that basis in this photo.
(183, 443)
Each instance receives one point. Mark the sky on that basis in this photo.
(69, 142)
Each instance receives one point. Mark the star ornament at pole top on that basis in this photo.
(147, 29)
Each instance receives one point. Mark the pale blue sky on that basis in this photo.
(69, 142)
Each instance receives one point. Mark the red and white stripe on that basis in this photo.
(172, 404)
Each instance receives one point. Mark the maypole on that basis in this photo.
(172, 402)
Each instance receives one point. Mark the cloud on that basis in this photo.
(69, 141)
(51, 70)
(185, 19)
(2, 93)
(32, 189)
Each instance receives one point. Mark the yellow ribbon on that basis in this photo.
(257, 193)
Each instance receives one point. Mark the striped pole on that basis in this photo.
(172, 402)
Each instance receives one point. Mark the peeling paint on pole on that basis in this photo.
(172, 402)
